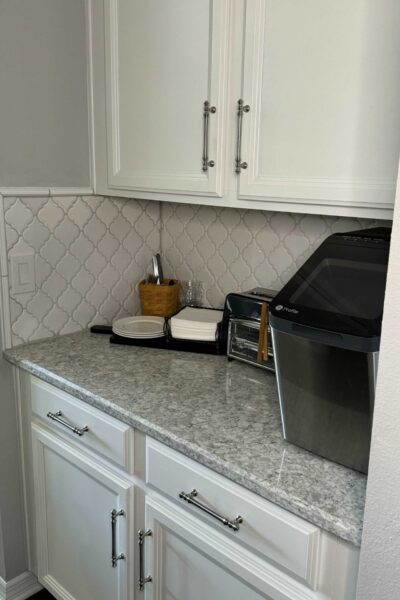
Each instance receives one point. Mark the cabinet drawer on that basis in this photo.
(86, 425)
(283, 538)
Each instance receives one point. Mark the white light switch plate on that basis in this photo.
(22, 273)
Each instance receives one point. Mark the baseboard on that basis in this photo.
(20, 588)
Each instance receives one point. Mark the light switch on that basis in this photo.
(22, 273)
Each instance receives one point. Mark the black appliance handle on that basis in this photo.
(105, 329)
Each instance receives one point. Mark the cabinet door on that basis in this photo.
(321, 80)
(163, 61)
(75, 498)
(189, 560)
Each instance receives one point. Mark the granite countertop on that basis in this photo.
(223, 414)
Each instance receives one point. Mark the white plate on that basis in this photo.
(139, 327)
(139, 337)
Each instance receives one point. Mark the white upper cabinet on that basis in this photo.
(319, 80)
(164, 61)
(322, 82)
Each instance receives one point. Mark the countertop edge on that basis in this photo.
(347, 532)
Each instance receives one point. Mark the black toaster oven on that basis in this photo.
(245, 328)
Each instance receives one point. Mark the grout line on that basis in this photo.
(3, 241)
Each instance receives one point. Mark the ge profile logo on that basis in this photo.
(285, 309)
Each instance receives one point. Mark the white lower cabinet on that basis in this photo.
(221, 542)
(80, 540)
(188, 560)
(194, 545)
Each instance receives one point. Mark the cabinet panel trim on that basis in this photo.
(248, 566)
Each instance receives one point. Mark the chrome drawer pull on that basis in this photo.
(114, 556)
(242, 108)
(57, 417)
(142, 578)
(191, 499)
(206, 114)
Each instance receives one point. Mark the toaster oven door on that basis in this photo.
(243, 340)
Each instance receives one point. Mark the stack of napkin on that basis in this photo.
(196, 324)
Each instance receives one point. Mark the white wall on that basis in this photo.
(379, 577)
(43, 99)
(13, 559)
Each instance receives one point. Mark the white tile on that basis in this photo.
(68, 266)
(108, 245)
(83, 281)
(69, 300)
(109, 276)
(84, 314)
(39, 305)
(94, 230)
(36, 234)
(55, 319)
(54, 286)
(18, 216)
(52, 251)
(120, 227)
(50, 215)
(98, 293)
(67, 232)
(96, 263)
(25, 326)
(80, 213)
(107, 211)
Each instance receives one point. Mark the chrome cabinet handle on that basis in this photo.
(143, 579)
(206, 114)
(114, 556)
(191, 499)
(242, 108)
(57, 417)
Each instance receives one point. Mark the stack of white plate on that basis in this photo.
(139, 327)
(196, 324)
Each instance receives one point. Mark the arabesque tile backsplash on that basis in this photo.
(91, 252)
(234, 250)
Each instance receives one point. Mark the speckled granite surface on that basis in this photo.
(223, 414)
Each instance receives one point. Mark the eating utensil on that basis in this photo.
(157, 269)
(160, 269)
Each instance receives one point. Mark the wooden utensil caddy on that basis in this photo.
(159, 300)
